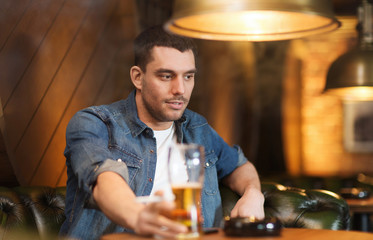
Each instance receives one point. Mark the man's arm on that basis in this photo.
(245, 181)
(118, 202)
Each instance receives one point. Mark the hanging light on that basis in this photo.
(251, 20)
(351, 75)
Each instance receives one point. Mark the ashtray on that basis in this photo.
(248, 226)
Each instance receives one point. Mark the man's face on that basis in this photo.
(166, 86)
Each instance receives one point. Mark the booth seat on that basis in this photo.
(31, 212)
(38, 212)
(298, 208)
(331, 183)
(361, 221)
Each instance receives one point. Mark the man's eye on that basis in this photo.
(189, 76)
(166, 76)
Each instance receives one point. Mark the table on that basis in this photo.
(361, 209)
(286, 234)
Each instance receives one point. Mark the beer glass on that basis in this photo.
(186, 174)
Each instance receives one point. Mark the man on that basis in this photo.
(117, 152)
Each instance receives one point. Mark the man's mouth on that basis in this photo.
(177, 105)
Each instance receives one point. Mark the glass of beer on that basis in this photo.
(186, 174)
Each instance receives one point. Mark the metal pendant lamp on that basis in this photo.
(351, 75)
(251, 20)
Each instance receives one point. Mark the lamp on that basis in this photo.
(351, 75)
(251, 20)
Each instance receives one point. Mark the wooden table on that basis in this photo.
(286, 234)
(361, 209)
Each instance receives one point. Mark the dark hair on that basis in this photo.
(157, 36)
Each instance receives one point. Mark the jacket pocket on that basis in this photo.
(132, 162)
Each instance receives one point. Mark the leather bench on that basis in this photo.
(38, 212)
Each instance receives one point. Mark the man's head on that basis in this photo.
(163, 76)
(157, 36)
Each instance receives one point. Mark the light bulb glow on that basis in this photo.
(353, 93)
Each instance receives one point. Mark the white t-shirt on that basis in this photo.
(164, 138)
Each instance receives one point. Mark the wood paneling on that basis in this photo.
(20, 50)
(7, 176)
(59, 56)
(10, 15)
(85, 92)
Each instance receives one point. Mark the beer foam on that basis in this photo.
(187, 185)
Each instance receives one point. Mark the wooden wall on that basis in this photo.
(56, 57)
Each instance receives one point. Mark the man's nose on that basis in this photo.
(178, 87)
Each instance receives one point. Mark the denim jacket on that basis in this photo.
(113, 138)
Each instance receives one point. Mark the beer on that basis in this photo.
(188, 207)
(186, 173)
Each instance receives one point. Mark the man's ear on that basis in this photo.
(136, 76)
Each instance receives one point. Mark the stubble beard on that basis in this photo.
(160, 114)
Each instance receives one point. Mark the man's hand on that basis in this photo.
(249, 205)
(154, 219)
(118, 202)
(244, 180)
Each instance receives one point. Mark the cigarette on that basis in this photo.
(149, 199)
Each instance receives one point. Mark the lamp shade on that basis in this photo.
(351, 75)
(251, 20)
